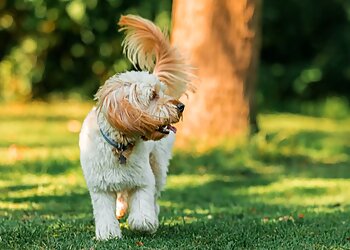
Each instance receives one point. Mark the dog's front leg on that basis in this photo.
(106, 224)
(142, 215)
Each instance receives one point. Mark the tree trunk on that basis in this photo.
(221, 39)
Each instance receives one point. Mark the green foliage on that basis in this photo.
(305, 53)
(56, 46)
(287, 189)
(332, 107)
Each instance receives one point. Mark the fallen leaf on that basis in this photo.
(139, 243)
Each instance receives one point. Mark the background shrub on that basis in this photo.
(70, 47)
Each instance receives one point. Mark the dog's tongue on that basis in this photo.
(171, 128)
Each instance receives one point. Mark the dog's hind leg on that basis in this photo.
(159, 160)
(159, 170)
(104, 205)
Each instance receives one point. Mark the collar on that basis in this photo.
(113, 143)
(118, 148)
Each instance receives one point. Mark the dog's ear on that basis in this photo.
(122, 115)
(130, 120)
(146, 45)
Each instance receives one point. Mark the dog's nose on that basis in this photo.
(180, 106)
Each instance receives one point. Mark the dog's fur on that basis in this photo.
(134, 109)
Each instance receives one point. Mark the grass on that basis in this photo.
(287, 189)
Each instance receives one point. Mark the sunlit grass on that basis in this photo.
(302, 192)
(294, 122)
(288, 188)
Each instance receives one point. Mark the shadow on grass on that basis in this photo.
(51, 202)
(17, 188)
(49, 206)
(305, 153)
(223, 195)
(308, 154)
(45, 166)
(217, 161)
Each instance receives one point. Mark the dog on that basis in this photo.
(127, 138)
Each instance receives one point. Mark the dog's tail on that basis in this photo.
(146, 45)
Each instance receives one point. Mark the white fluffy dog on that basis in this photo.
(126, 140)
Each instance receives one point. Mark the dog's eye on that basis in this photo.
(154, 95)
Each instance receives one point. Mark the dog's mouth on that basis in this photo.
(165, 129)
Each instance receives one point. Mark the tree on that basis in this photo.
(221, 39)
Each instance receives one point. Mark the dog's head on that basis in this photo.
(146, 103)
(136, 105)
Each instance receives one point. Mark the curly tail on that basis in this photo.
(146, 45)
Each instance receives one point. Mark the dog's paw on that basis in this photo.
(143, 223)
(108, 231)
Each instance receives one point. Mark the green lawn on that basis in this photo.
(288, 189)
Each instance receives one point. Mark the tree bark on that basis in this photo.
(221, 39)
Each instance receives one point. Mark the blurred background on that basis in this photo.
(68, 48)
(281, 67)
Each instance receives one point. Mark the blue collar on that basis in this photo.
(119, 146)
